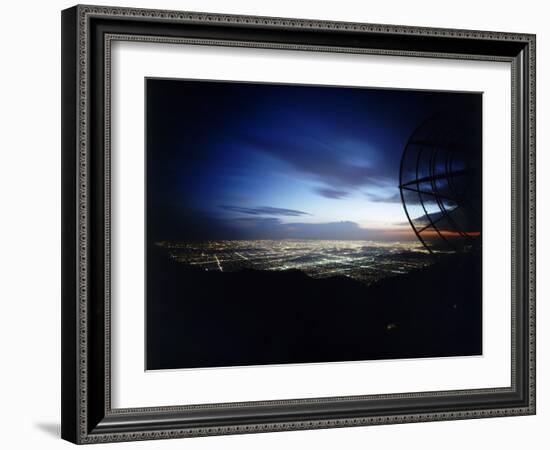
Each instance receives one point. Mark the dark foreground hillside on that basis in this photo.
(208, 319)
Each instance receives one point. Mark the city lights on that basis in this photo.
(365, 261)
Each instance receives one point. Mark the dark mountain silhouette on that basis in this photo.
(206, 319)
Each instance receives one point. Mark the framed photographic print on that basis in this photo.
(280, 224)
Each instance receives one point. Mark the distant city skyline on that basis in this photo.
(271, 161)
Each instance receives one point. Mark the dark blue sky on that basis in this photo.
(230, 160)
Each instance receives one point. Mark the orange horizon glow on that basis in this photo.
(409, 233)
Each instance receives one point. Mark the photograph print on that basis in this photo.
(292, 223)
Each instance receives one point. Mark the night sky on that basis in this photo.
(228, 160)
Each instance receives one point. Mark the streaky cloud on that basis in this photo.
(264, 210)
(378, 198)
(321, 161)
(332, 193)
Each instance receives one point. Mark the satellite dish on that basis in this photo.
(440, 182)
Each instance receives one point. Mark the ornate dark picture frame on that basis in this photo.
(87, 34)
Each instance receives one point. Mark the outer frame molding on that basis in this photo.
(87, 33)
